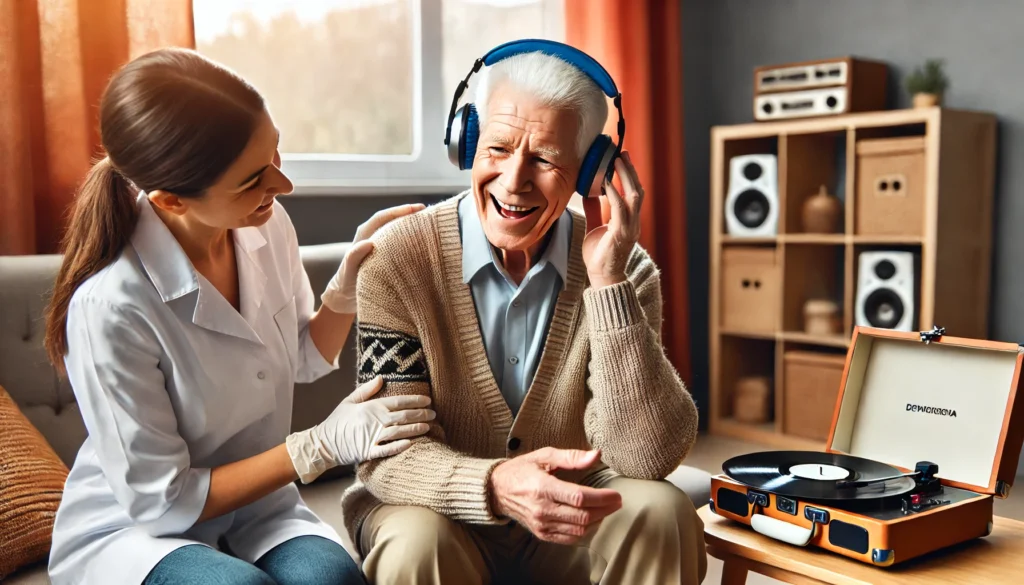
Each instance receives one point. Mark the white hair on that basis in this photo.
(555, 83)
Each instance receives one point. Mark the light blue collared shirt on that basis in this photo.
(513, 318)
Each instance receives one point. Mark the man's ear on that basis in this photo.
(168, 202)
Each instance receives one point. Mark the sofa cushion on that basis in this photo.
(32, 479)
(25, 371)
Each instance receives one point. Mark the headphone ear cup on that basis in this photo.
(462, 137)
(596, 163)
(470, 136)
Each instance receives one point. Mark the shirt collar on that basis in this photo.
(165, 262)
(161, 255)
(477, 252)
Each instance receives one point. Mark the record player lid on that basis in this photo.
(950, 401)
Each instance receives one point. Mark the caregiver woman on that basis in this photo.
(184, 317)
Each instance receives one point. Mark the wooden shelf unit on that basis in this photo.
(954, 245)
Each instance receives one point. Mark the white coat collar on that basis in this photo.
(174, 277)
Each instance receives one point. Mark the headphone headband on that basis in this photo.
(572, 55)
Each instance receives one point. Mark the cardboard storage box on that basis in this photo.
(811, 383)
(890, 186)
(750, 289)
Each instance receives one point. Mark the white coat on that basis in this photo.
(172, 381)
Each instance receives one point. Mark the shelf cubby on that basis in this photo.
(812, 161)
(751, 358)
(811, 272)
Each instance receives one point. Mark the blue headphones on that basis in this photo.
(463, 129)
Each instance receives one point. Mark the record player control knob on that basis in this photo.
(757, 498)
(816, 515)
(915, 499)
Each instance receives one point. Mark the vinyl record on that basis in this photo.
(811, 475)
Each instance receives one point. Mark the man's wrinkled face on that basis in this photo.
(525, 169)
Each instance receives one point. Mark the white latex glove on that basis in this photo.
(340, 295)
(355, 430)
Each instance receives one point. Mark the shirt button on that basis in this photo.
(513, 443)
(514, 360)
(261, 375)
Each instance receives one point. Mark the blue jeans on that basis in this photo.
(304, 560)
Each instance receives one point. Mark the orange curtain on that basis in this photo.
(55, 59)
(638, 42)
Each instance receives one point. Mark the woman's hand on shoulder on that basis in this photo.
(340, 295)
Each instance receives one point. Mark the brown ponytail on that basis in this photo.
(170, 120)
(102, 220)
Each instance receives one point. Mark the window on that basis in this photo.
(473, 27)
(361, 88)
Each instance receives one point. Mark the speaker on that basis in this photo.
(752, 202)
(733, 501)
(886, 290)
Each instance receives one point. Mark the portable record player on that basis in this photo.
(926, 432)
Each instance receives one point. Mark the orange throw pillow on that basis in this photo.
(32, 480)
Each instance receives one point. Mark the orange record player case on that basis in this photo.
(960, 412)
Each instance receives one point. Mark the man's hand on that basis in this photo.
(553, 510)
(607, 247)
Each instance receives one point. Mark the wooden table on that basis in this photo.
(997, 558)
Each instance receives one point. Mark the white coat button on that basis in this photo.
(514, 360)
(516, 303)
(261, 375)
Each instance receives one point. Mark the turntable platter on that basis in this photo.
(815, 476)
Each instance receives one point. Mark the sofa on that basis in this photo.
(48, 402)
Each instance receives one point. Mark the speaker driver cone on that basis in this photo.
(751, 208)
(883, 308)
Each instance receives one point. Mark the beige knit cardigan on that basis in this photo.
(603, 380)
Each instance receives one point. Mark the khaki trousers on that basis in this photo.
(656, 538)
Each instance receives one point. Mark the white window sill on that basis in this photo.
(377, 187)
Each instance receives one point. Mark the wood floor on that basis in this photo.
(709, 453)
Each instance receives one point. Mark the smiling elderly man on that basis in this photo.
(558, 414)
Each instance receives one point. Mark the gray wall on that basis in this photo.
(724, 40)
(321, 219)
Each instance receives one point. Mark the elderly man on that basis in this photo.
(558, 414)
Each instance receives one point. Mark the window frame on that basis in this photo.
(427, 169)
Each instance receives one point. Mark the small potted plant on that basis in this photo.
(927, 84)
